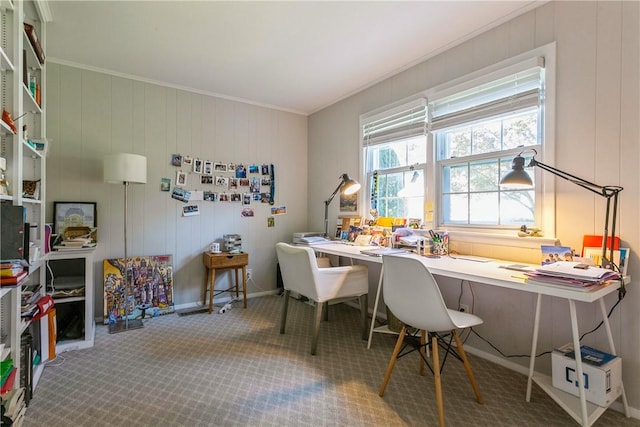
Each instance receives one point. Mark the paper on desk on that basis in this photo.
(566, 269)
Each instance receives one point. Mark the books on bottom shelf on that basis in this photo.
(14, 405)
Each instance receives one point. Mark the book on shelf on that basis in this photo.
(14, 280)
(8, 383)
(13, 402)
(35, 43)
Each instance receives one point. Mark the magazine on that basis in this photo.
(551, 254)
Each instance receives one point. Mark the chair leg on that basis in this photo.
(325, 312)
(285, 306)
(316, 326)
(467, 367)
(364, 311)
(392, 361)
(436, 375)
(423, 352)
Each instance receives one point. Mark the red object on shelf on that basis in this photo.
(8, 384)
(6, 117)
(13, 280)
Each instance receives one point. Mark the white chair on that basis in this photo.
(301, 274)
(412, 294)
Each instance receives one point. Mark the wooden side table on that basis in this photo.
(224, 261)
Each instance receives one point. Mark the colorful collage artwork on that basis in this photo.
(150, 288)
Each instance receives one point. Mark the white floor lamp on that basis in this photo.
(125, 168)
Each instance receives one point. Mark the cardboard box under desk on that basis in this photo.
(603, 384)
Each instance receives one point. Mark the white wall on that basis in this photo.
(90, 114)
(597, 137)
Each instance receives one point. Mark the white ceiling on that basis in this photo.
(298, 56)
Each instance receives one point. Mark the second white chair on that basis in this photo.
(301, 274)
(413, 296)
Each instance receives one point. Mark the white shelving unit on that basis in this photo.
(72, 270)
(18, 63)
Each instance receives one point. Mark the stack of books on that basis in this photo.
(572, 275)
(14, 406)
(7, 375)
(12, 272)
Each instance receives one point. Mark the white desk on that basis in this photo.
(488, 273)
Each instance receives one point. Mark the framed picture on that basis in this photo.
(348, 204)
(73, 214)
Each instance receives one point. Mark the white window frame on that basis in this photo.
(545, 183)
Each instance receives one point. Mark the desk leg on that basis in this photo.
(212, 282)
(612, 349)
(205, 286)
(375, 307)
(534, 347)
(579, 371)
(244, 285)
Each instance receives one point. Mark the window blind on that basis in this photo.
(515, 92)
(406, 121)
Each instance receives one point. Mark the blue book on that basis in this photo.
(592, 356)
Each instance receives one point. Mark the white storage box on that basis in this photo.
(603, 384)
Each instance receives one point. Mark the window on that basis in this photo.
(440, 157)
(477, 132)
(395, 155)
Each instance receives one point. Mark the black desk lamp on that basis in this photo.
(518, 177)
(347, 187)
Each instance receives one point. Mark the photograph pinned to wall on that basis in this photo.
(197, 166)
(181, 178)
(278, 210)
(190, 210)
(208, 167)
(265, 169)
(247, 212)
(222, 181)
(241, 172)
(271, 222)
(151, 280)
(220, 167)
(187, 160)
(254, 185)
(233, 183)
(348, 204)
(265, 181)
(231, 167)
(209, 196)
(551, 254)
(254, 169)
(246, 198)
(206, 179)
(235, 197)
(223, 197)
(165, 184)
(265, 197)
(180, 194)
(256, 197)
(73, 214)
(243, 182)
(176, 160)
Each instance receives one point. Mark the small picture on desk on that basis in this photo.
(551, 254)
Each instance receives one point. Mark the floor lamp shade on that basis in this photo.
(125, 167)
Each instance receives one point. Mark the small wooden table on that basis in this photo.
(224, 261)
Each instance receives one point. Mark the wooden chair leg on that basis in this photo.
(467, 367)
(285, 306)
(436, 374)
(392, 361)
(364, 311)
(316, 326)
(423, 352)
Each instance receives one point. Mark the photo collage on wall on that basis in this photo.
(197, 179)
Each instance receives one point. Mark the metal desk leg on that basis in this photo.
(375, 307)
(579, 371)
(244, 285)
(534, 346)
(612, 349)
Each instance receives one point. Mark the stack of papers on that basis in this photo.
(569, 274)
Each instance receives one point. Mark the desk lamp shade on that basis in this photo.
(517, 176)
(125, 167)
(349, 186)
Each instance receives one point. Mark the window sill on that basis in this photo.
(501, 239)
